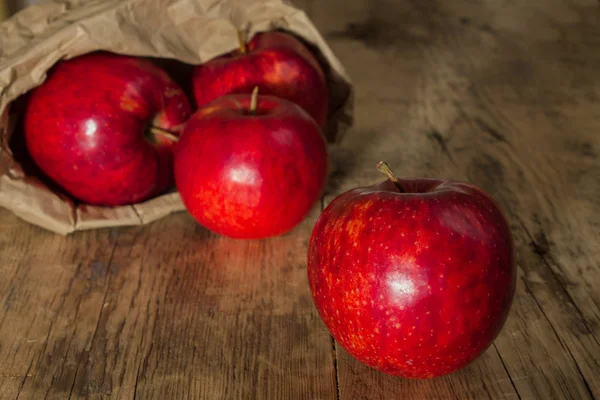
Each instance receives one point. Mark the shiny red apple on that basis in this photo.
(413, 277)
(103, 127)
(277, 63)
(250, 167)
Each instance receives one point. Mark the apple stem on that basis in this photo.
(155, 130)
(383, 167)
(242, 42)
(254, 101)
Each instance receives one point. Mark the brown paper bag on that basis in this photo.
(187, 31)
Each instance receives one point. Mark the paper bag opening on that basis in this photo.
(175, 35)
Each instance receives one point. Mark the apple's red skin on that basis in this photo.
(250, 176)
(415, 285)
(86, 127)
(277, 63)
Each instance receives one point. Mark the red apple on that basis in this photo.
(413, 277)
(277, 63)
(250, 168)
(103, 127)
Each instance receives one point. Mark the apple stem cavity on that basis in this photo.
(254, 101)
(243, 47)
(156, 131)
(384, 168)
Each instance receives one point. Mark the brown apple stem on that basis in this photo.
(242, 42)
(155, 130)
(254, 101)
(383, 167)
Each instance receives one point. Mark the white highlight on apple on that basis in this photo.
(90, 127)
(243, 174)
(404, 286)
(401, 285)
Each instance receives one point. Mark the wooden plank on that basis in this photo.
(553, 325)
(485, 379)
(174, 312)
(485, 92)
(51, 300)
(189, 314)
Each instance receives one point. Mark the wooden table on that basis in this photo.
(504, 94)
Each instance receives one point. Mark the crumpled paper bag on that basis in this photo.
(188, 31)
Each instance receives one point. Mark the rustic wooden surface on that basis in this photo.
(501, 93)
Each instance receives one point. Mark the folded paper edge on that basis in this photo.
(310, 33)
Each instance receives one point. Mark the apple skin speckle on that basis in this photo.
(416, 311)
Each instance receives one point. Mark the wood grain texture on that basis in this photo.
(502, 94)
(52, 296)
(167, 311)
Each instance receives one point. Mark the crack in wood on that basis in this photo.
(335, 368)
(558, 338)
(27, 374)
(491, 131)
(11, 279)
(58, 310)
(134, 298)
(544, 257)
(86, 351)
(68, 345)
(442, 142)
(512, 382)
